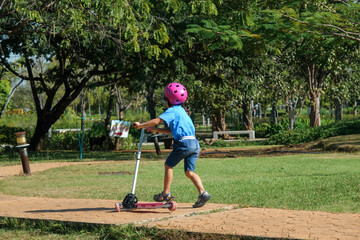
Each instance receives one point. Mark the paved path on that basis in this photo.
(227, 219)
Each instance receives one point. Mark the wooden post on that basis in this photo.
(22, 145)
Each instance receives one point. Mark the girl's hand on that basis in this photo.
(136, 125)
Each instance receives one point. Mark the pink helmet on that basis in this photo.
(176, 93)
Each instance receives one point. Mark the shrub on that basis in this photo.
(63, 141)
(97, 129)
(7, 134)
(68, 120)
(310, 134)
(220, 143)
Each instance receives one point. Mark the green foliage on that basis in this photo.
(64, 141)
(220, 143)
(218, 36)
(7, 134)
(27, 120)
(97, 130)
(4, 90)
(225, 53)
(264, 130)
(68, 120)
(310, 134)
(127, 143)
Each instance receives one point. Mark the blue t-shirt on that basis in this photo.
(179, 122)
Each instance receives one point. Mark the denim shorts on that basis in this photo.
(188, 150)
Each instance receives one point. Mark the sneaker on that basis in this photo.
(163, 198)
(203, 198)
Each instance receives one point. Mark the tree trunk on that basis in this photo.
(89, 109)
(259, 111)
(108, 117)
(292, 113)
(218, 121)
(247, 115)
(43, 124)
(150, 97)
(355, 107)
(203, 118)
(302, 101)
(83, 116)
(338, 110)
(315, 119)
(274, 113)
(99, 102)
(316, 78)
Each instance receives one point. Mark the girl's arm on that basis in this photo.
(147, 124)
(160, 130)
(150, 125)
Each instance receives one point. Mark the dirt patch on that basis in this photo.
(271, 151)
(115, 173)
(8, 171)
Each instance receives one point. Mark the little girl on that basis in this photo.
(185, 146)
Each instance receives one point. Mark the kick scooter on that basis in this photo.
(130, 202)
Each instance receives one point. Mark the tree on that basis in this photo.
(82, 38)
(302, 29)
(214, 58)
(342, 85)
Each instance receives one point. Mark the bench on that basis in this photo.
(250, 132)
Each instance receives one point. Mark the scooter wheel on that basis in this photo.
(117, 206)
(173, 206)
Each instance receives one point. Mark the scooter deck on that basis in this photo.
(169, 205)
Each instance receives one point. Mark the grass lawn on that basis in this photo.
(40, 235)
(324, 182)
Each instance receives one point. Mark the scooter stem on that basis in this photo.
(137, 161)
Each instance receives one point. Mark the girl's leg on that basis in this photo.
(204, 196)
(167, 179)
(196, 181)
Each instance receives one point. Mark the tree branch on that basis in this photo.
(346, 36)
(294, 19)
(2, 4)
(33, 86)
(12, 90)
(344, 2)
(10, 69)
